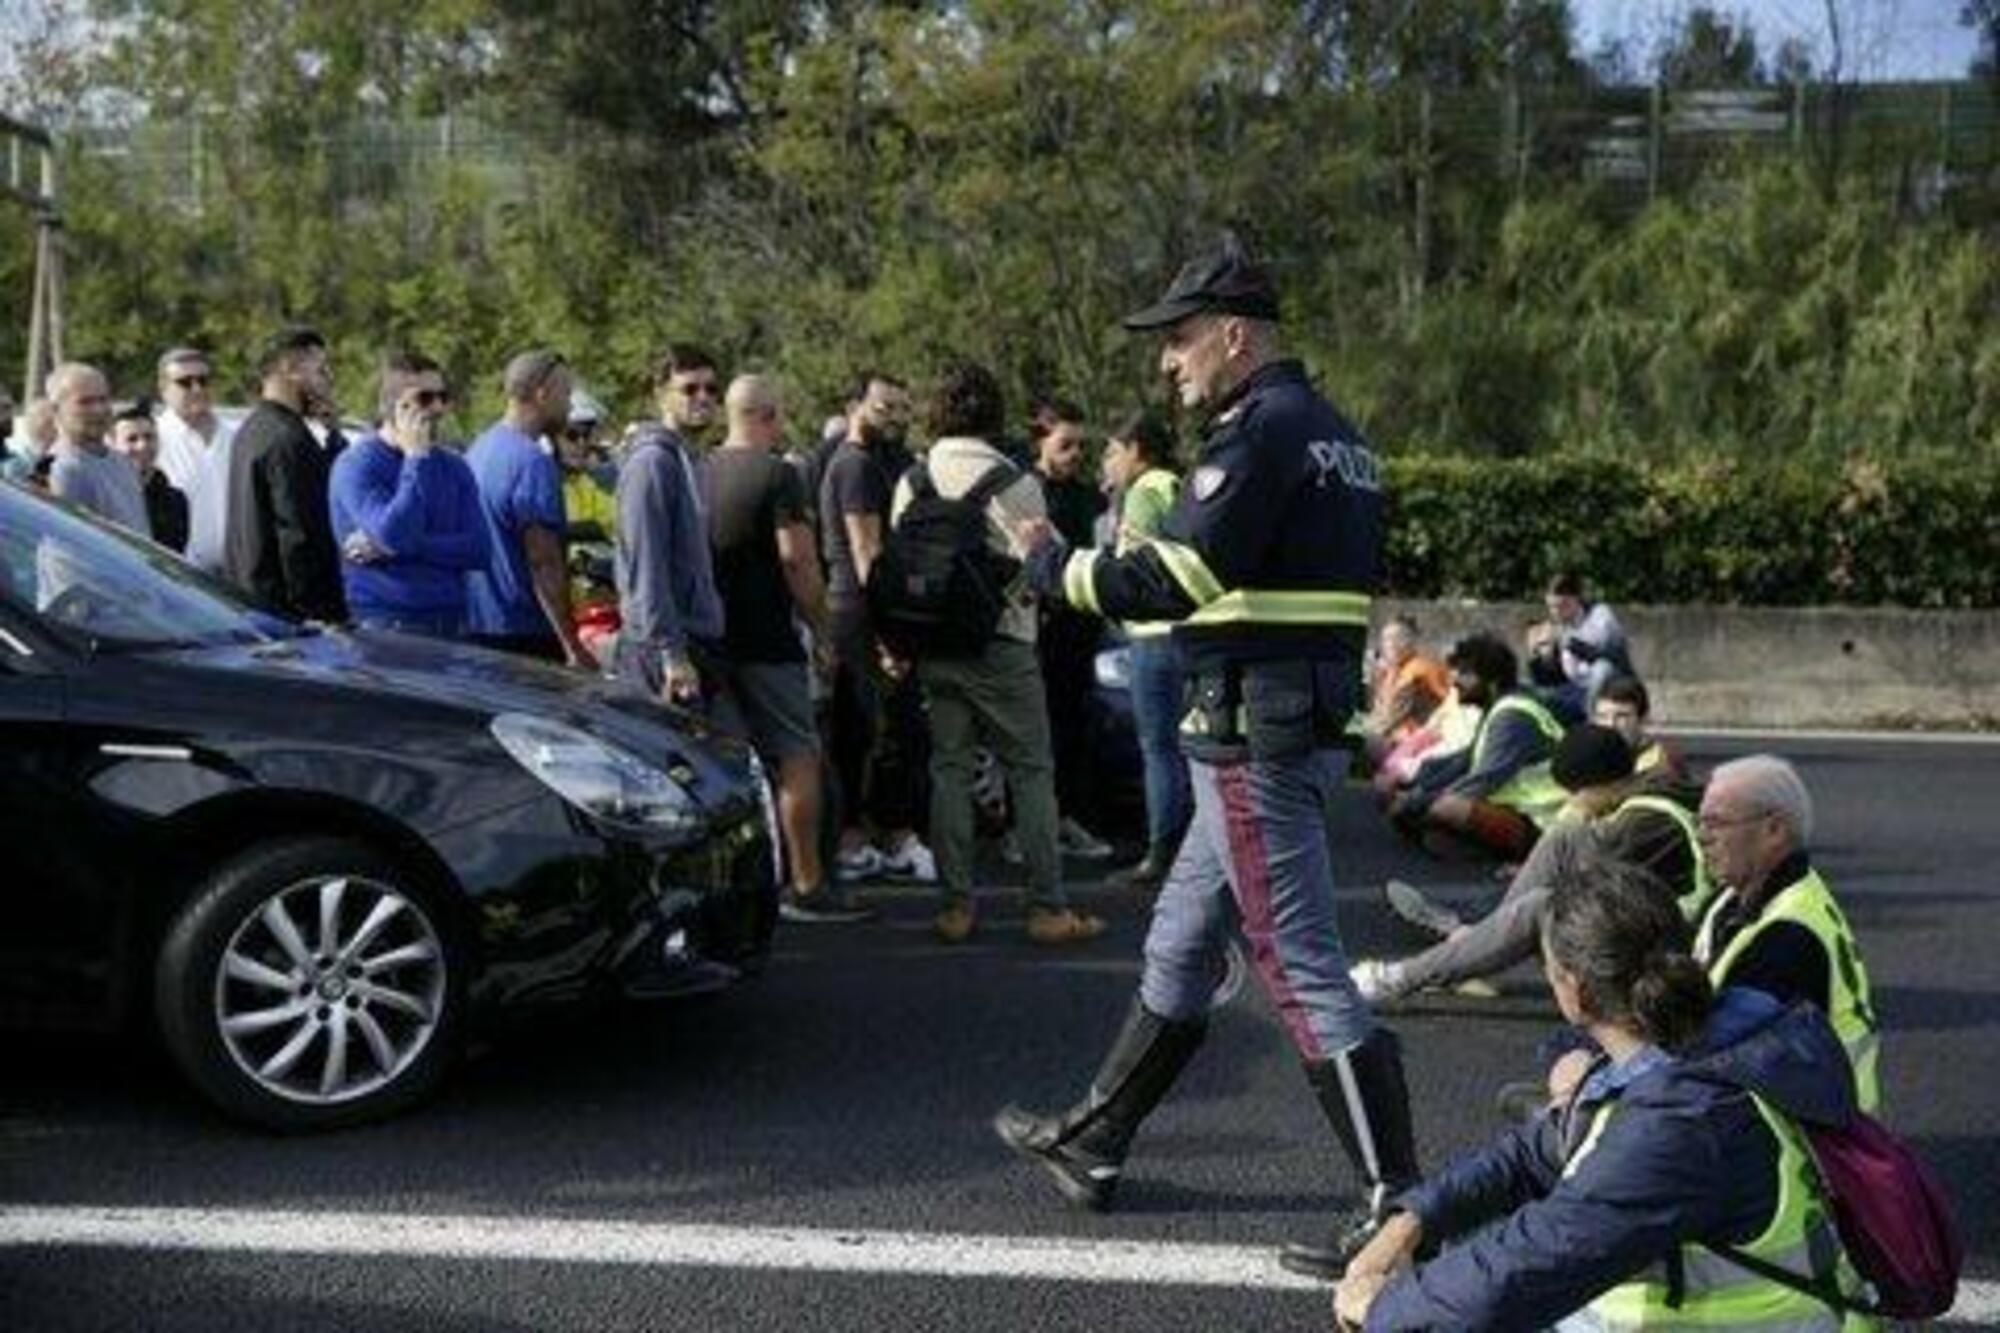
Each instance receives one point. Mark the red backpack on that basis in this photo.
(1894, 1219)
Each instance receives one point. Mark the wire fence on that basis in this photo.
(1932, 142)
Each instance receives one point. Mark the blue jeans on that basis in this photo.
(1157, 706)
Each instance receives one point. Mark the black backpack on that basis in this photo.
(938, 588)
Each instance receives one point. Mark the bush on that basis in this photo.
(1917, 532)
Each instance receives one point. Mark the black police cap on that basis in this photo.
(1224, 280)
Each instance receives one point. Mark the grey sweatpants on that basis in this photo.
(1507, 935)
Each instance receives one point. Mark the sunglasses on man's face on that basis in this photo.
(191, 381)
(423, 398)
(700, 389)
(579, 434)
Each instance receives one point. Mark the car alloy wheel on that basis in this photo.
(330, 989)
(313, 982)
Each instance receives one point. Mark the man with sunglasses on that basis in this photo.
(188, 427)
(406, 512)
(669, 611)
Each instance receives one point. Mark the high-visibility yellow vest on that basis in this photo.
(1531, 791)
(1851, 1008)
(1695, 899)
(1718, 1293)
(1149, 498)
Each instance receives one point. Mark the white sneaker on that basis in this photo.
(1377, 979)
(911, 860)
(864, 862)
(1076, 840)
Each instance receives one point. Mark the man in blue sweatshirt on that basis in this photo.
(406, 512)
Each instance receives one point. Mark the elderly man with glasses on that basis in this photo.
(1775, 926)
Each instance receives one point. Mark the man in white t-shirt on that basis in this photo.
(189, 430)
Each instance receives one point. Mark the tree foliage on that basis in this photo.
(814, 186)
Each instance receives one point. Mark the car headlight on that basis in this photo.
(596, 776)
(1114, 669)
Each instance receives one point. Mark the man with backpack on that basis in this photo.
(947, 592)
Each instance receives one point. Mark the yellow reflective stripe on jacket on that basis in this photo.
(1079, 581)
(1533, 791)
(1148, 499)
(1850, 998)
(1695, 900)
(1190, 571)
(1718, 1293)
(1245, 606)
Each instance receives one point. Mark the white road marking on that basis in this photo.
(676, 1245)
(652, 1244)
(1780, 734)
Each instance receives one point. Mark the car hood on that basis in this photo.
(466, 680)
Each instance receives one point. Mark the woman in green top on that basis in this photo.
(1138, 461)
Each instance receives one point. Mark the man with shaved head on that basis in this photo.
(85, 471)
(767, 574)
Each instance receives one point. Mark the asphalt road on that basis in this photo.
(832, 1116)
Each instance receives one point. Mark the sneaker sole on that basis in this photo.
(1306, 1266)
(1410, 905)
(818, 916)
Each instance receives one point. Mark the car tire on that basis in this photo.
(312, 983)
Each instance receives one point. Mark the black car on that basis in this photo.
(319, 860)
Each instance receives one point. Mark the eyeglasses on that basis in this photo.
(700, 389)
(189, 381)
(579, 433)
(1713, 823)
(430, 398)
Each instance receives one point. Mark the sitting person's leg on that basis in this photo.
(1491, 828)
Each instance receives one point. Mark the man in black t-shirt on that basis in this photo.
(766, 571)
(879, 736)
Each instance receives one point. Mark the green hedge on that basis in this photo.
(1916, 532)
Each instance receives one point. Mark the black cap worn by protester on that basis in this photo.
(1224, 280)
(1590, 756)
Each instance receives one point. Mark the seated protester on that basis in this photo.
(1774, 925)
(135, 435)
(1405, 688)
(1623, 704)
(1685, 1134)
(1644, 820)
(1448, 730)
(1579, 647)
(1496, 796)
(406, 512)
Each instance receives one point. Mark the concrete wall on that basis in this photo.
(1767, 667)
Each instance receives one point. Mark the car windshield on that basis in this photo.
(114, 591)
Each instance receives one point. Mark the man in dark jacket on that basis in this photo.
(278, 543)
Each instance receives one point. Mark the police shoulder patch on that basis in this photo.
(1207, 480)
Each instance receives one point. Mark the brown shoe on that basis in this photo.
(1062, 925)
(954, 924)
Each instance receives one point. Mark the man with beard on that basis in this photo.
(519, 603)
(277, 530)
(878, 723)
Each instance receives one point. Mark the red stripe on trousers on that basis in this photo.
(1252, 883)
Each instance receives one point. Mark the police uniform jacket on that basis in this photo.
(1266, 565)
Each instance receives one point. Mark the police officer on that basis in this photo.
(1265, 566)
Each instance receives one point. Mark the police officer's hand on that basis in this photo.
(1034, 533)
